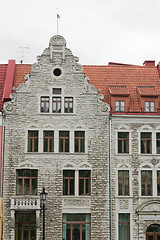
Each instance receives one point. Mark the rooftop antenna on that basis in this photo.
(22, 52)
(58, 17)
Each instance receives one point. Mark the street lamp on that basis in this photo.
(43, 195)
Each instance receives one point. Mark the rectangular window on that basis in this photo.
(32, 141)
(158, 142)
(45, 104)
(158, 183)
(84, 182)
(48, 141)
(123, 183)
(149, 106)
(146, 183)
(120, 106)
(76, 226)
(123, 142)
(26, 182)
(68, 182)
(57, 90)
(124, 226)
(79, 141)
(146, 141)
(68, 105)
(56, 104)
(64, 141)
(25, 226)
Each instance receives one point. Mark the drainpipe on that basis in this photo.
(110, 175)
(2, 157)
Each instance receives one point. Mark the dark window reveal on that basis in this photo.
(123, 183)
(32, 141)
(146, 183)
(45, 104)
(68, 182)
(84, 182)
(68, 105)
(158, 142)
(79, 141)
(48, 141)
(56, 104)
(124, 226)
(123, 142)
(64, 141)
(146, 143)
(26, 182)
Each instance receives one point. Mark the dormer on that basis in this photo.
(119, 98)
(148, 97)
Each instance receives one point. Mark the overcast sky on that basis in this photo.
(97, 31)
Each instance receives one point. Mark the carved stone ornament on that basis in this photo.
(27, 77)
(76, 203)
(8, 106)
(100, 96)
(105, 107)
(123, 204)
(36, 67)
(76, 59)
(12, 96)
(68, 51)
(57, 39)
(79, 67)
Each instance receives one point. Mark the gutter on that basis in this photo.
(110, 175)
(2, 156)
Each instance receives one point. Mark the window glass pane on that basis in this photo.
(126, 187)
(61, 145)
(56, 90)
(87, 186)
(66, 145)
(71, 186)
(146, 106)
(30, 145)
(117, 106)
(76, 231)
(51, 145)
(19, 186)
(76, 145)
(122, 106)
(149, 146)
(85, 231)
(26, 173)
(26, 186)
(25, 232)
(19, 173)
(82, 145)
(34, 186)
(81, 186)
(65, 186)
(126, 146)
(142, 146)
(33, 232)
(18, 231)
(36, 145)
(119, 146)
(152, 107)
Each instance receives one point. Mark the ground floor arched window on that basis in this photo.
(153, 232)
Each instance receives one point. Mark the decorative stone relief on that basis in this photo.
(36, 67)
(8, 107)
(27, 77)
(78, 67)
(57, 39)
(123, 204)
(68, 52)
(76, 59)
(76, 203)
(104, 107)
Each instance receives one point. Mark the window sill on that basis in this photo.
(53, 153)
(124, 197)
(57, 114)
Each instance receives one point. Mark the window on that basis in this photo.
(146, 143)
(32, 141)
(68, 105)
(124, 226)
(146, 183)
(149, 106)
(120, 106)
(76, 226)
(68, 182)
(25, 226)
(56, 104)
(84, 182)
(45, 104)
(158, 142)
(79, 141)
(26, 182)
(123, 142)
(48, 144)
(158, 183)
(57, 90)
(64, 141)
(123, 183)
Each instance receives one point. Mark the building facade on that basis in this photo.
(91, 136)
(56, 136)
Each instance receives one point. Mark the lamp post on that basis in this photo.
(43, 195)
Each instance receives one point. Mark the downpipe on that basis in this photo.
(2, 155)
(110, 174)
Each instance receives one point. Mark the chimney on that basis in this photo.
(149, 63)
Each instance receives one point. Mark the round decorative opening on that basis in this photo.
(57, 72)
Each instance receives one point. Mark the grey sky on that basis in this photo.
(97, 31)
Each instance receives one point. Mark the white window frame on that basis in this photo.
(127, 130)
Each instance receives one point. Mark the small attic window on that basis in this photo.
(57, 72)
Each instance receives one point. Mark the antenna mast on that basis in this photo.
(22, 52)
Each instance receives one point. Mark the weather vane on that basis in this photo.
(58, 17)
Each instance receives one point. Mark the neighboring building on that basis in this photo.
(56, 136)
(98, 159)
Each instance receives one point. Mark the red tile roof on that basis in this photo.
(118, 90)
(3, 69)
(105, 77)
(147, 91)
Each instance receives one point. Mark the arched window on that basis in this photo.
(153, 232)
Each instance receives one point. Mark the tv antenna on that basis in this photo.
(23, 52)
